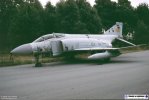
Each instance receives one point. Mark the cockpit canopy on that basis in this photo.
(49, 36)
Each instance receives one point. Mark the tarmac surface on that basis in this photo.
(126, 74)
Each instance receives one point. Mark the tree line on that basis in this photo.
(22, 21)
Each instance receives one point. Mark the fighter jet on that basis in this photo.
(69, 45)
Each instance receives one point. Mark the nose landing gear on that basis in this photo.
(37, 62)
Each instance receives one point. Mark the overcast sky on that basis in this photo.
(133, 2)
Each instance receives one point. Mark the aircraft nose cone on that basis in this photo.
(23, 49)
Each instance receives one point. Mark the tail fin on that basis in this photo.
(115, 30)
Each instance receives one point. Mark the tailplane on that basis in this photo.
(115, 30)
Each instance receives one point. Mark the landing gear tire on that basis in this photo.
(106, 59)
(38, 64)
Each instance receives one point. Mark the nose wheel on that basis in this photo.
(37, 62)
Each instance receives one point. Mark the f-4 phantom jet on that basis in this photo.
(61, 44)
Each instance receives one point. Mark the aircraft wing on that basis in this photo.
(95, 49)
(98, 52)
(106, 52)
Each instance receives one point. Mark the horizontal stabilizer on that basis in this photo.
(126, 41)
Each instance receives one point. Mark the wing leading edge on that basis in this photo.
(95, 49)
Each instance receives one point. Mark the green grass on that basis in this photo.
(6, 60)
(135, 48)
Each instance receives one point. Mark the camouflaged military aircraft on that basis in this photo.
(69, 45)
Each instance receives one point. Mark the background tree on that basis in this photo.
(49, 18)
(89, 16)
(142, 28)
(125, 13)
(143, 13)
(142, 33)
(67, 16)
(22, 21)
(8, 9)
(106, 11)
(27, 25)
